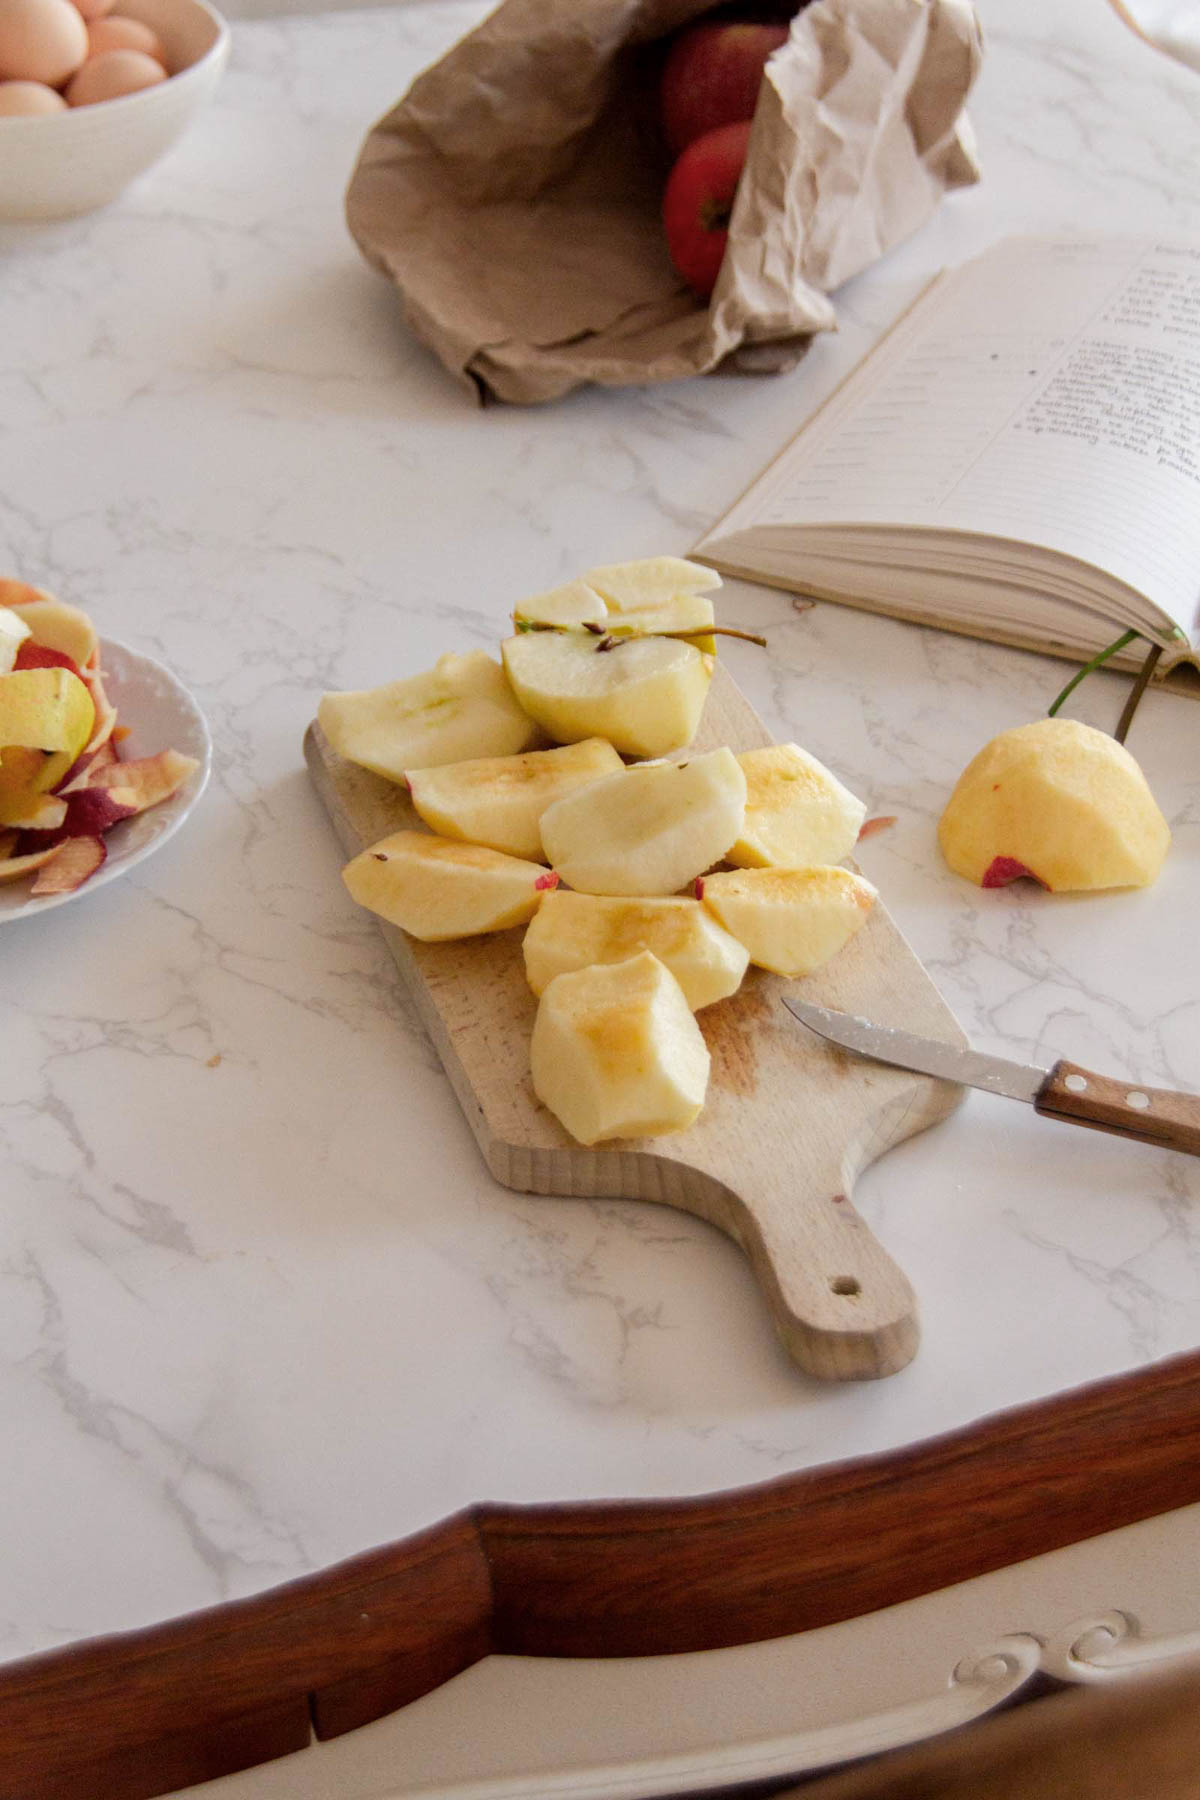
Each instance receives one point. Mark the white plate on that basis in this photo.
(160, 714)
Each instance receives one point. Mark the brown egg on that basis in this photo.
(118, 33)
(25, 99)
(40, 40)
(94, 9)
(112, 74)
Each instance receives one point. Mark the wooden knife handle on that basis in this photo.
(1155, 1115)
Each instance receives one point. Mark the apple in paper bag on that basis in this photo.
(698, 202)
(712, 75)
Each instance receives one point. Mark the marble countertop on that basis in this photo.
(261, 1306)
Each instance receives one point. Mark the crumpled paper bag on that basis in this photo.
(513, 195)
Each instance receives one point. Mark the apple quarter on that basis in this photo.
(791, 921)
(463, 707)
(573, 931)
(797, 813)
(499, 800)
(437, 889)
(649, 830)
(617, 1052)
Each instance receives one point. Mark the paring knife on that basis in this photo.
(1155, 1115)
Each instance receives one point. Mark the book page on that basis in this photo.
(1048, 393)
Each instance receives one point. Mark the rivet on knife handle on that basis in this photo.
(1154, 1115)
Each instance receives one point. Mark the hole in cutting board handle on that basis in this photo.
(845, 1284)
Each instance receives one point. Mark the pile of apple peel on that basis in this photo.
(647, 887)
(63, 785)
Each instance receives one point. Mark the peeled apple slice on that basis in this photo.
(650, 581)
(499, 800)
(463, 707)
(436, 889)
(691, 613)
(792, 921)
(649, 830)
(797, 812)
(645, 695)
(574, 931)
(573, 604)
(616, 1052)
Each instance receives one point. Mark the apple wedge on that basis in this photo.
(650, 582)
(573, 604)
(499, 800)
(463, 707)
(649, 830)
(616, 1052)
(436, 889)
(791, 921)
(574, 931)
(1059, 801)
(644, 694)
(797, 812)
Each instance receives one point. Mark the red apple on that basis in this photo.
(698, 200)
(712, 76)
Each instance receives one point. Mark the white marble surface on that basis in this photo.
(260, 1304)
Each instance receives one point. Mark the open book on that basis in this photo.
(1018, 459)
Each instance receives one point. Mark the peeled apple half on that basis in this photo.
(644, 694)
(1059, 801)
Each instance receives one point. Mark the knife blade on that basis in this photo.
(1066, 1091)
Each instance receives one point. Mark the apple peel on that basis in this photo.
(106, 712)
(33, 655)
(16, 868)
(1003, 869)
(88, 762)
(143, 782)
(69, 865)
(46, 812)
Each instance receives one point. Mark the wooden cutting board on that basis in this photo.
(788, 1124)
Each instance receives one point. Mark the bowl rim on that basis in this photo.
(217, 50)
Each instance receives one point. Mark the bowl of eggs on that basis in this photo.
(92, 92)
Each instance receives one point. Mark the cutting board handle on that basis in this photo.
(844, 1309)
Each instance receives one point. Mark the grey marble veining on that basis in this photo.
(260, 1304)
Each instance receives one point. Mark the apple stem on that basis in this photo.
(750, 637)
(1101, 656)
(1136, 692)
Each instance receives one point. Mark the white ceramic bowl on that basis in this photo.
(71, 162)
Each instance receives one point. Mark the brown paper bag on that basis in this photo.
(513, 195)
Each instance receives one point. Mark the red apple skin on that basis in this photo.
(711, 77)
(698, 200)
